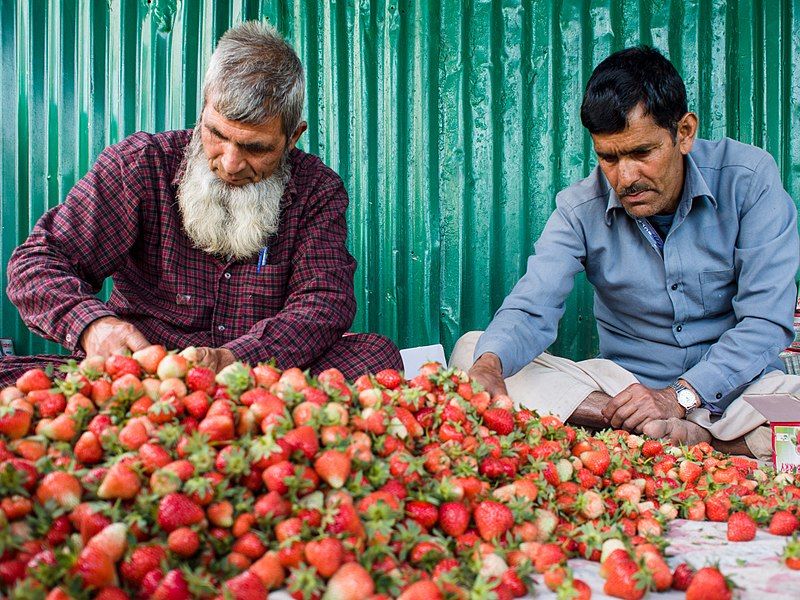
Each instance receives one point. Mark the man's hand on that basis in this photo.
(110, 335)
(488, 371)
(214, 358)
(637, 405)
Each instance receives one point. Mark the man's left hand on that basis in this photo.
(638, 404)
(214, 358)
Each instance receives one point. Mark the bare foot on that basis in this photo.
(677, 431)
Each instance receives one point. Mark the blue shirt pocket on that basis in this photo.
(717, 289)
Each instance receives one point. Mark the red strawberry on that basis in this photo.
(33, 379)
(549, 555)
(149, 357)
(88, 449)
(424, 513)
(622, 578)
(597, 461)
(121, 482)
(333, 467)
(201, 379)
(741, 527)
(95, 567)
(499, 420)
(682, 577)
(172, 587)
(245, 586)
(421, 590)
(351, 581)
(493, 519)
(783, 523)
(512, 582)
(389, 378)
(183, 542)
(325, 555)
(61, 487)
(177, 510)
(303, 439)
(269, 570)
(118, 365)
(791, 553)
(709, 583)
(111, 541)
(14, 422)
(453, 518)
(652, 448)
(142, 560)
(718, 507)
(49, 403)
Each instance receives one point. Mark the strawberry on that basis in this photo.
(176, 510)
(149, 357)
(682, 577)
(142, 560)
(622, 578)
(118, 366)
(424, 513)
(111, 541)
(14, 422)
(173, 586)
(741, 527)
(454, 518)
(333, 467)
(33, 379)
(708, 583)
(652, 448)
(249, 545)
(183, 542)
(172, 365)
(493, 519)
(421, 590)
(304, 439)
(245, 586)
(62, 488)
(218, 428)
(269, 570)
(121, 482)
(597, 461)
(512, 582)
(266, 375)
(499, 420)
(389, 378)
(549, 555)
(95, 567)
(783, 523)
(201, 379)
(791, 553)
(350, 582)
(324, 555)
(718, 507)
(196, 404)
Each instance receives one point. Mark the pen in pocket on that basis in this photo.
(262, 259)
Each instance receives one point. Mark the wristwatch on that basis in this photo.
(686, 397)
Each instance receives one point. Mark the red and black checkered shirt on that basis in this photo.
(122, 221)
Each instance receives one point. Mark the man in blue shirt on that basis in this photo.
(692, 249)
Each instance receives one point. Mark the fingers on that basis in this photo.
(610, 409)
(636, 421)
(622, 414)
(135, 340)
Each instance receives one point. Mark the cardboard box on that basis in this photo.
(783, 413)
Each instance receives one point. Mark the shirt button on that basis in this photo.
(674, 286)
(69, 337)
(227, 275)
(221, 327)
(679, 328)
(718, 396)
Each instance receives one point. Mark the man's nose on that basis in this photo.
(232, 160)
(627, 173)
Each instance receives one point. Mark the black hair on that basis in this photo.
(639, 75)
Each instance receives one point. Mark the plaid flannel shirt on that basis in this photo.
(122, 221)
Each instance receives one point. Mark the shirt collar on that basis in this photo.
(694, 186)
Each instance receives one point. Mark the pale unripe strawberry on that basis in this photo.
(112, 540)
(172, 365)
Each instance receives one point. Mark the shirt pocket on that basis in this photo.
(717, 289)
(263, 293)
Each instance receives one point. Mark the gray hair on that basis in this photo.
(254, 75)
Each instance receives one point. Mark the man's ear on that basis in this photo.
(301, 128)
(687, 130)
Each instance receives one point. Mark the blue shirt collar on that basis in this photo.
(694, 186)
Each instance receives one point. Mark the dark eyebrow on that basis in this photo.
(254, 147)
(637, 150)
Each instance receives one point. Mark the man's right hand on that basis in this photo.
(488, 371)
(110, 335)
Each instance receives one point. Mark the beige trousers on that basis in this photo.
(554, 385)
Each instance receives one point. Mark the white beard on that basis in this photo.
(226, 220)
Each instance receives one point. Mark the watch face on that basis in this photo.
(686, 399)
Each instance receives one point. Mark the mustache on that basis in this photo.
(634, 189)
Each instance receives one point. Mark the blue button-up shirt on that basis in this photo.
(714, 304)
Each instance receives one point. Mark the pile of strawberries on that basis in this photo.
(147, 477)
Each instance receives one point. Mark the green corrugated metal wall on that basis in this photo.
(453, 124)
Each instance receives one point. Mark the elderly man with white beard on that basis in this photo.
(227, 238)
